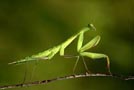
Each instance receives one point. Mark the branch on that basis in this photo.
(65, 78)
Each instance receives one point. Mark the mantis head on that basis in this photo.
(91, 26)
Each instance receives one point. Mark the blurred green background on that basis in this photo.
(30, 26)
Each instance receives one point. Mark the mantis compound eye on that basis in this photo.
(92, 27)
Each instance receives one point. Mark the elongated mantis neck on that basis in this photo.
(85, 29)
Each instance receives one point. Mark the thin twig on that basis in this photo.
(65, 78)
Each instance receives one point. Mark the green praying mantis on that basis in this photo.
(81, 50)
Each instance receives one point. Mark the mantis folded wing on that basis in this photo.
(81, 50)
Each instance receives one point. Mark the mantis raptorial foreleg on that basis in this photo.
(81, 50)
(91, 55)
(80, 41)
(79, 45)
(90, 44)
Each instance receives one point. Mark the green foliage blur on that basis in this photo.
(31, 26)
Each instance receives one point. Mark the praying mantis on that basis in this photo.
(81, 50)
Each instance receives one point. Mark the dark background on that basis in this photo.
(30, 26)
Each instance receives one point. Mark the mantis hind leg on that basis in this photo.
(26, 70)
(33, 70)
(25, 73)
